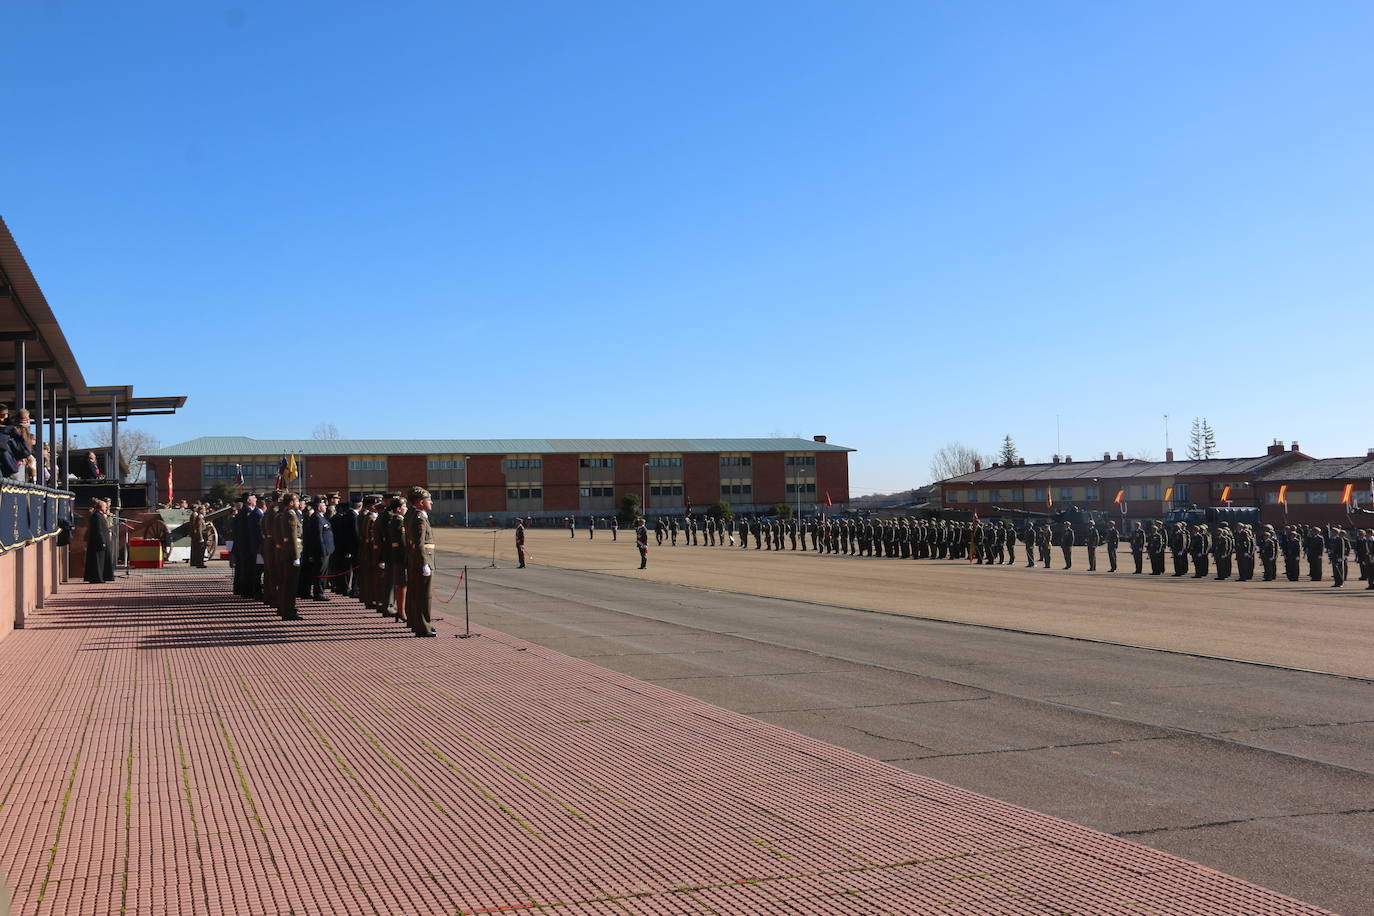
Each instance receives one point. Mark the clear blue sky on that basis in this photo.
(897, 224)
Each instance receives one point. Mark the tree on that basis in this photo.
(1202, 441)
(954, 459)
(782, 510)
(721, 511)
(222, 491)
(629, 509)
(132, 443)
(326, 431)
(1009, 454)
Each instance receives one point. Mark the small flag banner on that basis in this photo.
(1345, 497)
(1226, 494)
(1120, 496)
(1168, 494)
(1283, 494)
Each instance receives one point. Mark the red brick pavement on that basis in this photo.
(167, 748)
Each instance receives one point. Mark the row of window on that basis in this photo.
(666, 490)
(801, 488)
(800, 459)
(228, 470)
(735, 461)
(736, 489)
(525, 493)
(1066, 494)
(445, 464)
(448, 494)
(367, 464)
(594, 462)
(520, 464)
(596, 491)
(665, 462)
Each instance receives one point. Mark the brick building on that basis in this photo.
(1314, 487)
(542, 478)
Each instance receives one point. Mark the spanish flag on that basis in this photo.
(1226, 493)
(1120, 495)
(1345, 497)
(1283, 493)
(291, 470)
(1168, 493)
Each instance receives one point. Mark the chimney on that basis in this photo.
(820, 439)
(977, 464)
(1120, 457)
(994, 464)
(1368, 454)
(1056, 459)
(1295, 446)
(1168, 454)
(1106, 456)
(1022, 461)
(1068, 459)
(1276, 448)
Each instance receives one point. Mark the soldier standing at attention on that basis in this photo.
(615, 527)
(757, 529)
(1091, 540)
(1292, 554)
(1138, 549)
(658, 531)
(289, 526)
(1046, 538)
(1338, 549)
(1155, 543)
(269, 550)
(1066, 545)
(1028, 541)
(572, 527)
(1222, 549)
(1316, 546)
(1198, 547)
(367, 564)
(1368, 540)
(642, 543)
(1179, 543)
(195, 526)
(393, 540)
(419, 563)
(672, 529)
(520, 542)
(591, 527)
(1245, 553)
(1112, 539)
(1269, 553)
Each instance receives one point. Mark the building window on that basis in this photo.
(801, 460)
(593, 462)
(1066, 493)
(1018, 495)
(735, 461)
(445, 464)
(589, 492)
(952, 496)
(1042, 494)
(665, 462)
(736, 489)
(802, 487)
(525, 493)
(1091, 494)
(994, 496)
(1180, 493)
(520, 464)
(1319, 496)
(367, 464)
(1271, 498)
(666, 490)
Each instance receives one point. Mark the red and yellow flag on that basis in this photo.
(1283, 493)
(1168, 493)
(1120, 495)
(1226, 493)
(1345, 497)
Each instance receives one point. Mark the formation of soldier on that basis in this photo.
(1224, 552)
(379, 550)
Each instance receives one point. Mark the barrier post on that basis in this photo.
(467, 615)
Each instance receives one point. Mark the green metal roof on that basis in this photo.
(243, 445)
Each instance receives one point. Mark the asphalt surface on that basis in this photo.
(1261, 772)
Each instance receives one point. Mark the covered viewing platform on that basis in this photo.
(168, 747)
(40, 515)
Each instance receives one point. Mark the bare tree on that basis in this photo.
(325, 431)
(954, 459)
(132, 443)
(1141, 454)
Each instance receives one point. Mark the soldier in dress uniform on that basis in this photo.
(1269, 553)
(756, 528)
(1092, 540)
(1368, 541)
(1045, 536)
(1338, 549)
(1292, 553)
(1223, 547)
(1111, 539)
(1066, 545)
(572, 527)
(366, 576)
(419, 563)
(672, 529)
(1155, 543)
(1138, 539)
(271, 578)
(1179, 544)
(1245, 553)
(642, 543)
(615, 527)
(1315, 546)
(289, 560)
(393, 553)
(1199, 547)
(520, 542)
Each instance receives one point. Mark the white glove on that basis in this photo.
(295, 562)
(425, 571)
(259, 559)
(381, 566)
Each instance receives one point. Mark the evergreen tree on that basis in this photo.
(1009, 454)
(1195, 441)
(1209, 440)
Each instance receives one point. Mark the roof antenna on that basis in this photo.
(1058, 445)
(1166, 432)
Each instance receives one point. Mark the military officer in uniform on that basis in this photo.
(642, 543)
(419, 563)
(1066, 545)
(1269, 553)
(1179, 543)
(1199, 547)
(520, 541)
(289, 547)
(1245, 553)
(394, 553)
(1338, 549)
(1222, 550)
(1156, 543)
(1315, 546)
(1291, 544)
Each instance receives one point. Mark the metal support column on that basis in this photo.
(21, 377)
(66, 447)
(39, 402)
(58, 482)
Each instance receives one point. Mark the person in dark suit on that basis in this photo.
(345, 524)
(316, 548)
(248, 549)
(99, 544)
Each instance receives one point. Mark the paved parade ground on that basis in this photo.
(166, 747)
(1292, 624)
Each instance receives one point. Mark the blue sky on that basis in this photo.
(897, 224)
